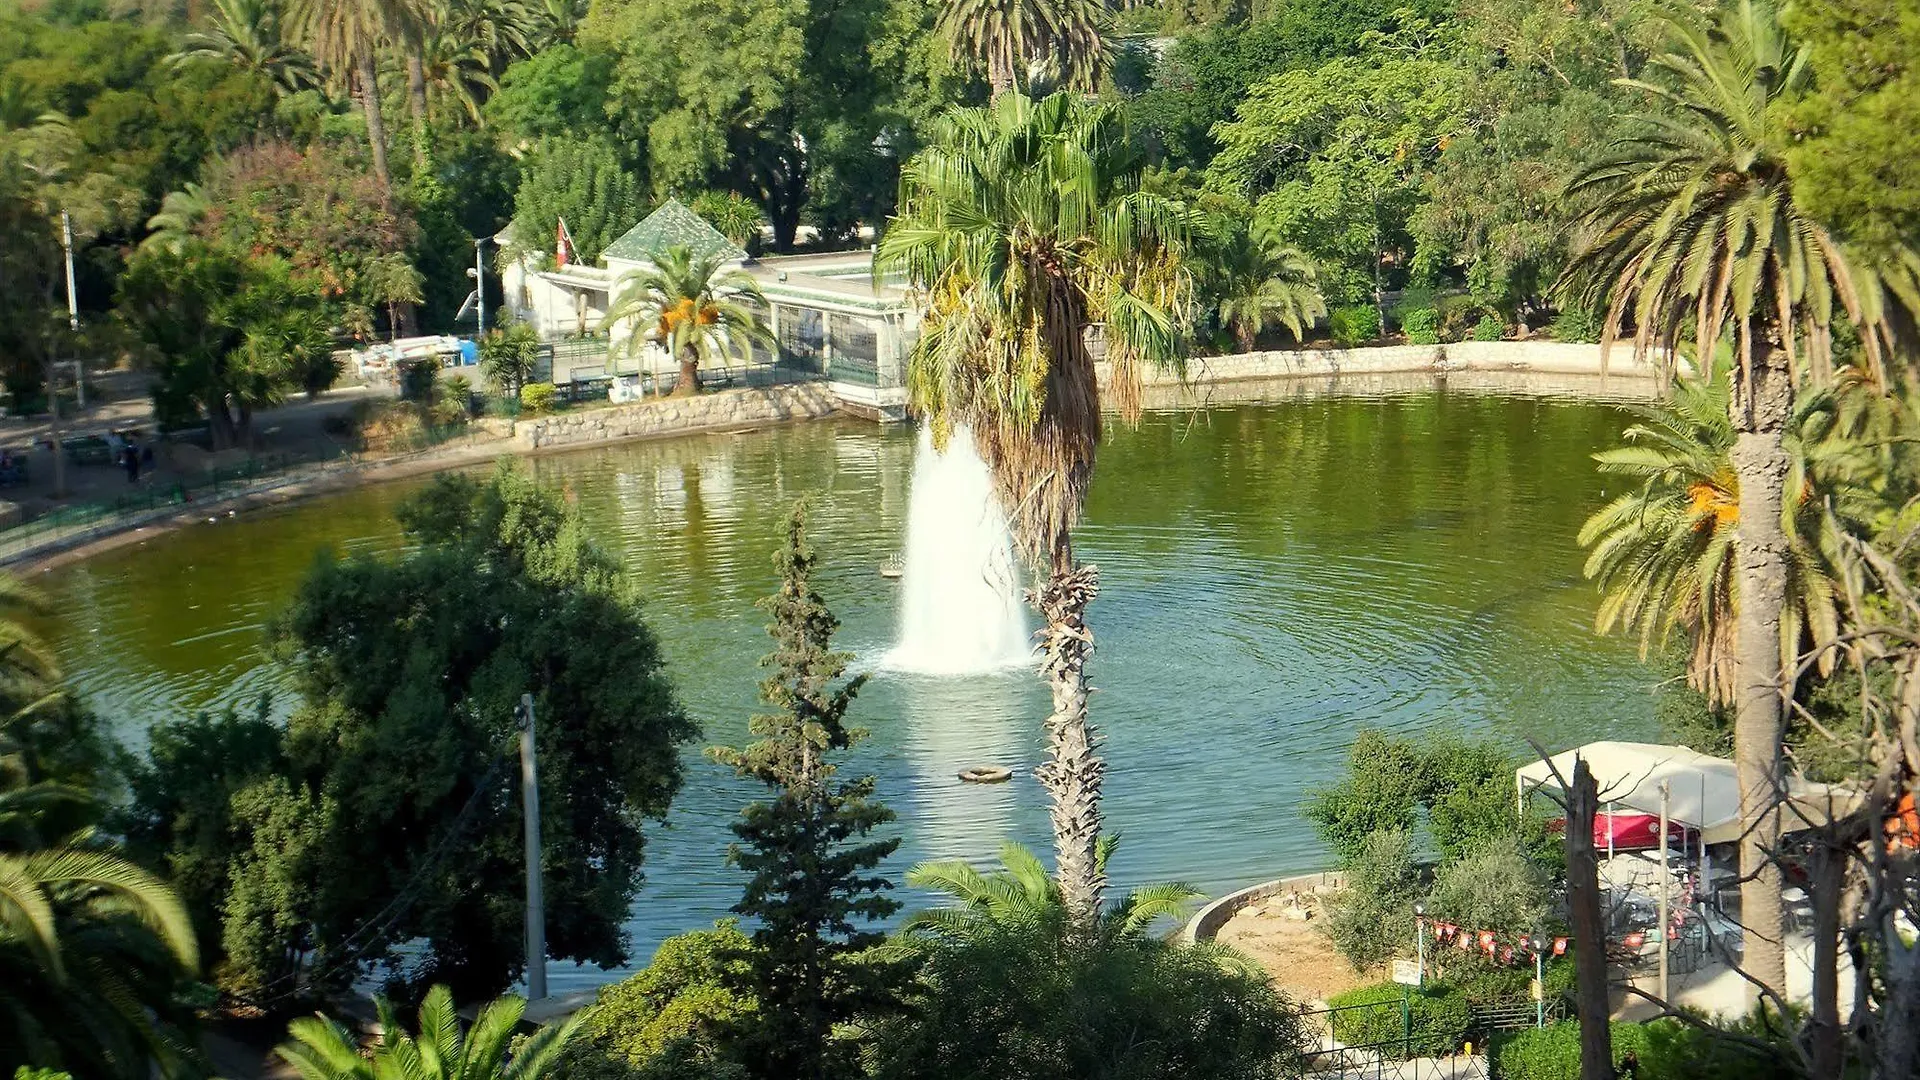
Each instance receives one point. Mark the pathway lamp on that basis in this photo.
(1539, 944)
(1420, 939)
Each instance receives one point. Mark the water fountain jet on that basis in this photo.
(961, 610)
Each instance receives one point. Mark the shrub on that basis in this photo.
(1405, 1021)
(1456, 312)
(1665, 1049)
(1422, 325)
(1017, 998)
(1371, 921)
(417, 376)
(669, 1019)
(1489, 328)
(1495, 887)
(454, 402)
(537, 397)
(1354, 324)
(1575, 324)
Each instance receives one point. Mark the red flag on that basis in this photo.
(1559, 946)
(562, 245)
(1506, 955)
(1487, 942)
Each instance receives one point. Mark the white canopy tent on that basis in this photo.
(1703, 791)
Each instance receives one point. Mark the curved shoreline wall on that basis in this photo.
(1208, 920)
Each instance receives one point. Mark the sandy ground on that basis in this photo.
(1293, 950)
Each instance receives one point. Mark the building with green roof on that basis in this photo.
(830, 317)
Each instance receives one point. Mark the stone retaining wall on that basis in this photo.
(1539, 356)
(670, 415)
(1208, 921)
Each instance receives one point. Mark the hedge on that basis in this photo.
(1665, 1050)
(1354, 325)
(537, 397)
(1439, 1018)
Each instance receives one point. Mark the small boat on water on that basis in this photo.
(893, 568)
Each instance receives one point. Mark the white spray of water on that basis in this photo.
(960, 604)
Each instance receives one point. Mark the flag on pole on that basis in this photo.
(562, 245)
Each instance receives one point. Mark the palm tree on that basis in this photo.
(247, 34)
(1022, 892)
(1693, 230)
(392, 280)
(1066, 38)
(1023, 227)
(173, 225)
(1255, 278)
(1663, 553)
(502, 30)
(345, 37)
(92, 947)
(732, 214)
(694, 304)
(323, 1048)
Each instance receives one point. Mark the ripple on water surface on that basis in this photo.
(1273, 578)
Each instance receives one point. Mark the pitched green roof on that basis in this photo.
(672, 224)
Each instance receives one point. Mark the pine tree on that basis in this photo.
(807, 850)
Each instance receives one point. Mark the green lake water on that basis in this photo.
(1275, 577)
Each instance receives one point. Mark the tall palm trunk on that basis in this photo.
(1759, 413)
(376, 126)
(1072, 772)
(417, 103)
(689, 380)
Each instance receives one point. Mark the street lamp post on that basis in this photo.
(1420, 940)
(480, 286)
(1539, 944)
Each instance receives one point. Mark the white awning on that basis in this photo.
(1703, 791)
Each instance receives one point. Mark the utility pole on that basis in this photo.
(480, 286)
(66, 241)
(536, 904)
(73, 306)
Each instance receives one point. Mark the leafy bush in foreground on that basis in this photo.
(1430, 1021)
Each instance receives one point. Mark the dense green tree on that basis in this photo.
(583, 181)
(1024, 224)
(438, 1049)
(1694, 232)
(697, 310)
(1462, 787)
(224, 335)
(1335, 158)
(557, 92)
(1861, 121)
(180, 797)
(393, 820)
(808, 852)
(780, 100)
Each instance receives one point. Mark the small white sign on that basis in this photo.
(1406, 972)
